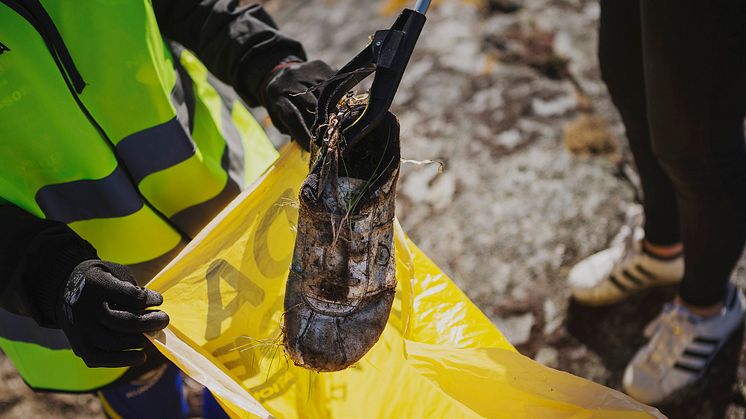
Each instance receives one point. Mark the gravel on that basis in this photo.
(488, 96)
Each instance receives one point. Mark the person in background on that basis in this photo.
(676, 71)
(124, 132)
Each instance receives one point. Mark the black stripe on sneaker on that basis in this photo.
(707, 341)
(637, 281)
(645, 272)
(732, 298)
(618, 283)
(687, 368)
(696, 354)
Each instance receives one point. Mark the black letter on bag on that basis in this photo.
(3, 48)
(217, 309)
(268, 265)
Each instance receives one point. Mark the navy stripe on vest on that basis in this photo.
(25, 329)
(149, 151)
(193, 219)
(109, 197)
(154, 149)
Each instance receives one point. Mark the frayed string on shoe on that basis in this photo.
(336, 77)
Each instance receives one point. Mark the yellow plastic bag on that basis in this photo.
(439, 356)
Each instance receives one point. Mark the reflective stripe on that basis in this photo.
(44, 358)
(112, 196)
(155, 149)
(236, 166)
(208, 119)
(194, 218)
(182, 96)
(164, 145)
(262, 152)
(146, 153)
(186, 184)
(233, 158)
(47, 369)
(201, 179)
(25, 329)
(136, 238)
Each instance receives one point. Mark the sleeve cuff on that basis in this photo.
(253, 76)
(54, 262)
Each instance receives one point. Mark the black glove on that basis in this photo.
(103, 313)
(293, 111)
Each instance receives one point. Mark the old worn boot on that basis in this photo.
(342, 279)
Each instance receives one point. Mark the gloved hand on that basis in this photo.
(103, 313)
(293, 113)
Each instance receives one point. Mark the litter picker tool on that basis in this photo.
(342, 279)
(387, 56)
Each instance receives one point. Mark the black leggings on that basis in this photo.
(676, 70)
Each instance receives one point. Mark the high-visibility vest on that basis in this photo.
(127, 139)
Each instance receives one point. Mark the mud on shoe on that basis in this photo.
(680, 350)
(342, 279)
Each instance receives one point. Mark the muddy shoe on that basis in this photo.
(342, 279)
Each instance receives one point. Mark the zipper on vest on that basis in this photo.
(33, 11)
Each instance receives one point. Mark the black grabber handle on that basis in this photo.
(387, 55)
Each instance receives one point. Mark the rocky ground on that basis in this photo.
(535, 174)
(507, 96)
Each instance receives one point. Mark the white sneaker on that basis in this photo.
(623, 269)
(680, 349)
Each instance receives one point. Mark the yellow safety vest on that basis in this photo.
(122, 136)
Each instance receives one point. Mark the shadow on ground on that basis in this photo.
(614, 333)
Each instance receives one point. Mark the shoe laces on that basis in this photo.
(671, 332)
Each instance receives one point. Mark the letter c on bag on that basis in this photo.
(268, 265)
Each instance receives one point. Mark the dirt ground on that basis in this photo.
(536, 177)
